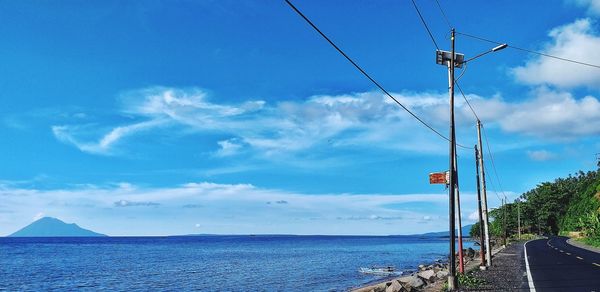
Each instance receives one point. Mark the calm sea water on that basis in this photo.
(207, 263)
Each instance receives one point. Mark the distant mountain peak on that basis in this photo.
(52, 227)
(465, 232)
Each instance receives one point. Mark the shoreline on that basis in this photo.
(426, 277)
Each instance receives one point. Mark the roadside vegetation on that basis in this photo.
(567, 206)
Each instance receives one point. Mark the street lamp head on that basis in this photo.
(500, 47)
(494, 49)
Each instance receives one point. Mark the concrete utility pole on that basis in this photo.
(452, 283)
(452, 60)
(519, 218)
(482, 266)
(461, 264)
(486, 228)
(504, 220)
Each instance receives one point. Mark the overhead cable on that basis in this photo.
(492, 159)
(425, 25)
(466, 100)
(367, 75)
(530, 51)
(443, 14)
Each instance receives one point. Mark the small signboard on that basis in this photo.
(439, 178)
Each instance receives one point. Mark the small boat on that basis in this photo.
(381, 271)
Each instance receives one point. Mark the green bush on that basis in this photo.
(589, 224)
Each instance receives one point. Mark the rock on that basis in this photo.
(421, 267)
(441, 274)
(381, 287)
(470, 252)
(394, 287)
(428, 275)
(411, 282)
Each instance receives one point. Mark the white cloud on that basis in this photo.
(577, 41)
(593, 6)
(104, 145)
(240, 206)
(354, 120)
(126, 203)
(39, 216)
(474, 216)
(555, 115)
(541, 155)
(229, 147)
(337, 121)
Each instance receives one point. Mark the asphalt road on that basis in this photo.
(555, 265)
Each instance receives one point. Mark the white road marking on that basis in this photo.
(568, 253)
(579, 258)
(529, 278)
(595, 264)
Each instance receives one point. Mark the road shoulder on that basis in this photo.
(508, 272)
(582, 245)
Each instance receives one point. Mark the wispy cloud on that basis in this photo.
(125, 203)
(240, 206)
(228, 147)
(541, 155)
(593, 6)
(67, 134)
(354, 120)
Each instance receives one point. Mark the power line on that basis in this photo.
(367, 75)
(530, 51)
(466, 100)
(492, 159)
(424, 24)
(443, 14)
(492, 183)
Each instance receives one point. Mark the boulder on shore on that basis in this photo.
(470, 252)
(381, 287)
(411, 281)
(442, 274)
(428, 275)
(394, 287)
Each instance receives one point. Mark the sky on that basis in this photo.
(235, 117)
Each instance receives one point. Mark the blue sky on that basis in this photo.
(156, 117)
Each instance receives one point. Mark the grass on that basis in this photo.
(593, 241)
(524, 236)
(466, 281)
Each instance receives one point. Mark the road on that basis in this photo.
(555, 265)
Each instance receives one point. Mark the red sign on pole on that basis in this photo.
(438, 178)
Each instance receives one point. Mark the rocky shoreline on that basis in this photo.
(430, 277)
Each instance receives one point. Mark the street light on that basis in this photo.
(494, 49)
(453, 60)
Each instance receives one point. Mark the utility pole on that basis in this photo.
(504, 219)
(519, 218)
(486, 228)
(482, 266)
(461, 264)
(452, 60)
(452, 284)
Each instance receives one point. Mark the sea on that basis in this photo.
(209, 263)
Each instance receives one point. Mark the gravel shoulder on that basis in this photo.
(508, 272)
